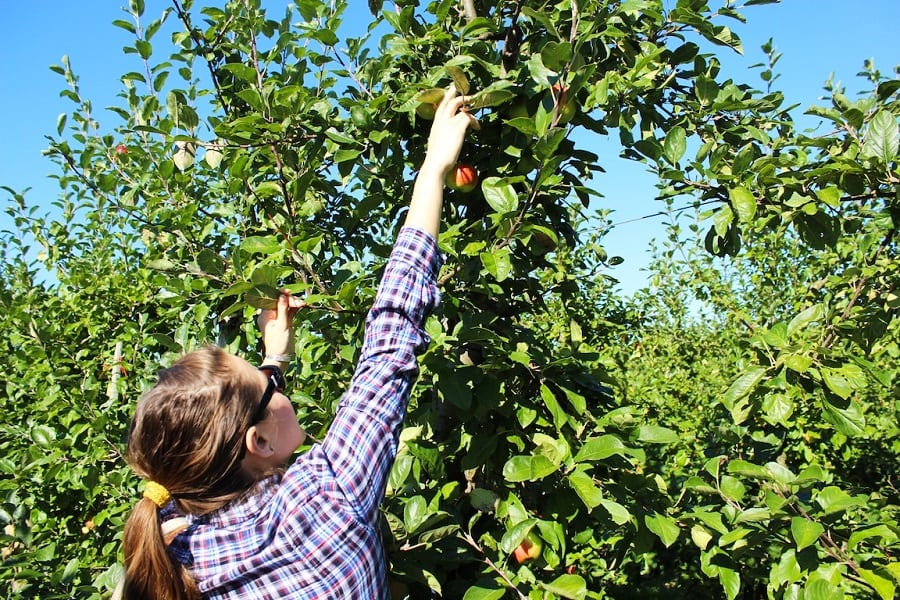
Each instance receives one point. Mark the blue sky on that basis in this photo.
(816, 37)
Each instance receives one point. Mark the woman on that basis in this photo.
(221, 517)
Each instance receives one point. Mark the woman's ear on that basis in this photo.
(258, 443)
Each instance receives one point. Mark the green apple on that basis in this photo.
(426, 111)
(428, 101)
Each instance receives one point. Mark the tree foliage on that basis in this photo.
(729, 432)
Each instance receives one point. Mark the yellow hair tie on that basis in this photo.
(157, 493)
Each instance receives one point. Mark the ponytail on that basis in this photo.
(151, 573)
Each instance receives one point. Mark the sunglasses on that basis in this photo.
(275, 384)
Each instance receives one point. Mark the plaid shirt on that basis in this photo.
(312, 532)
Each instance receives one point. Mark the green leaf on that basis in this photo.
(500, 194)
(711, 520)
(833, 499)
(555, 55)
(731, 582)
(488, 98)
(753, 515)
(778, 408)
(881, 580)
(552, 404)
(787, 570)
(882, 532)
(743, 202)
(587, 490)
(830, 196)
(144, 48)
(459, 78)
(675, 144)
(736, 535)
(732, 488)
(71, 569)
(741, 388)
(748, 469)
(183, 157)
(515, 534)
(568, 586)
(259, 244)
(210, 263)
(415, 512)
(539, 72)
(780, 473)
(701, 536)
(497, 263)
(528, 468)
(722, 220)
(656, 434)
(706, 89)
(822, 589)
(43, 436)
(213, 157)
(665, 528)
(126, 25)
(808, 315)
(797, 363)
(882, 138)
(619, 513)
(161, 264)
(477, 592)
(848, 419)
(805, 532)
(599, 448)
(886, 89)
(400, 471)
(340, 138)
(547, 145)
(836, 382)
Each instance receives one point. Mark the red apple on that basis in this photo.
(462, 177)
(529, 549)
(121, 150)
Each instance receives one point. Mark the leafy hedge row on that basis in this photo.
(729, 432)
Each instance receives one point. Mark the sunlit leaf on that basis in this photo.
(805, 532)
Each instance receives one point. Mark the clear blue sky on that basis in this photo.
(817, 38)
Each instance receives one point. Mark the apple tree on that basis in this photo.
(563, 442)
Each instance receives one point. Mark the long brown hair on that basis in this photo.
(187, 434)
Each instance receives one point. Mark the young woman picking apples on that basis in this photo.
(225, 514)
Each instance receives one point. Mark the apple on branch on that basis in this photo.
(427, 102)
(462, 177)
(529, 549)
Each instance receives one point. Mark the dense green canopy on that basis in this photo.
(730, 431)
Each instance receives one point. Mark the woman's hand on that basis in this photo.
(451, 120)
(277, 325)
